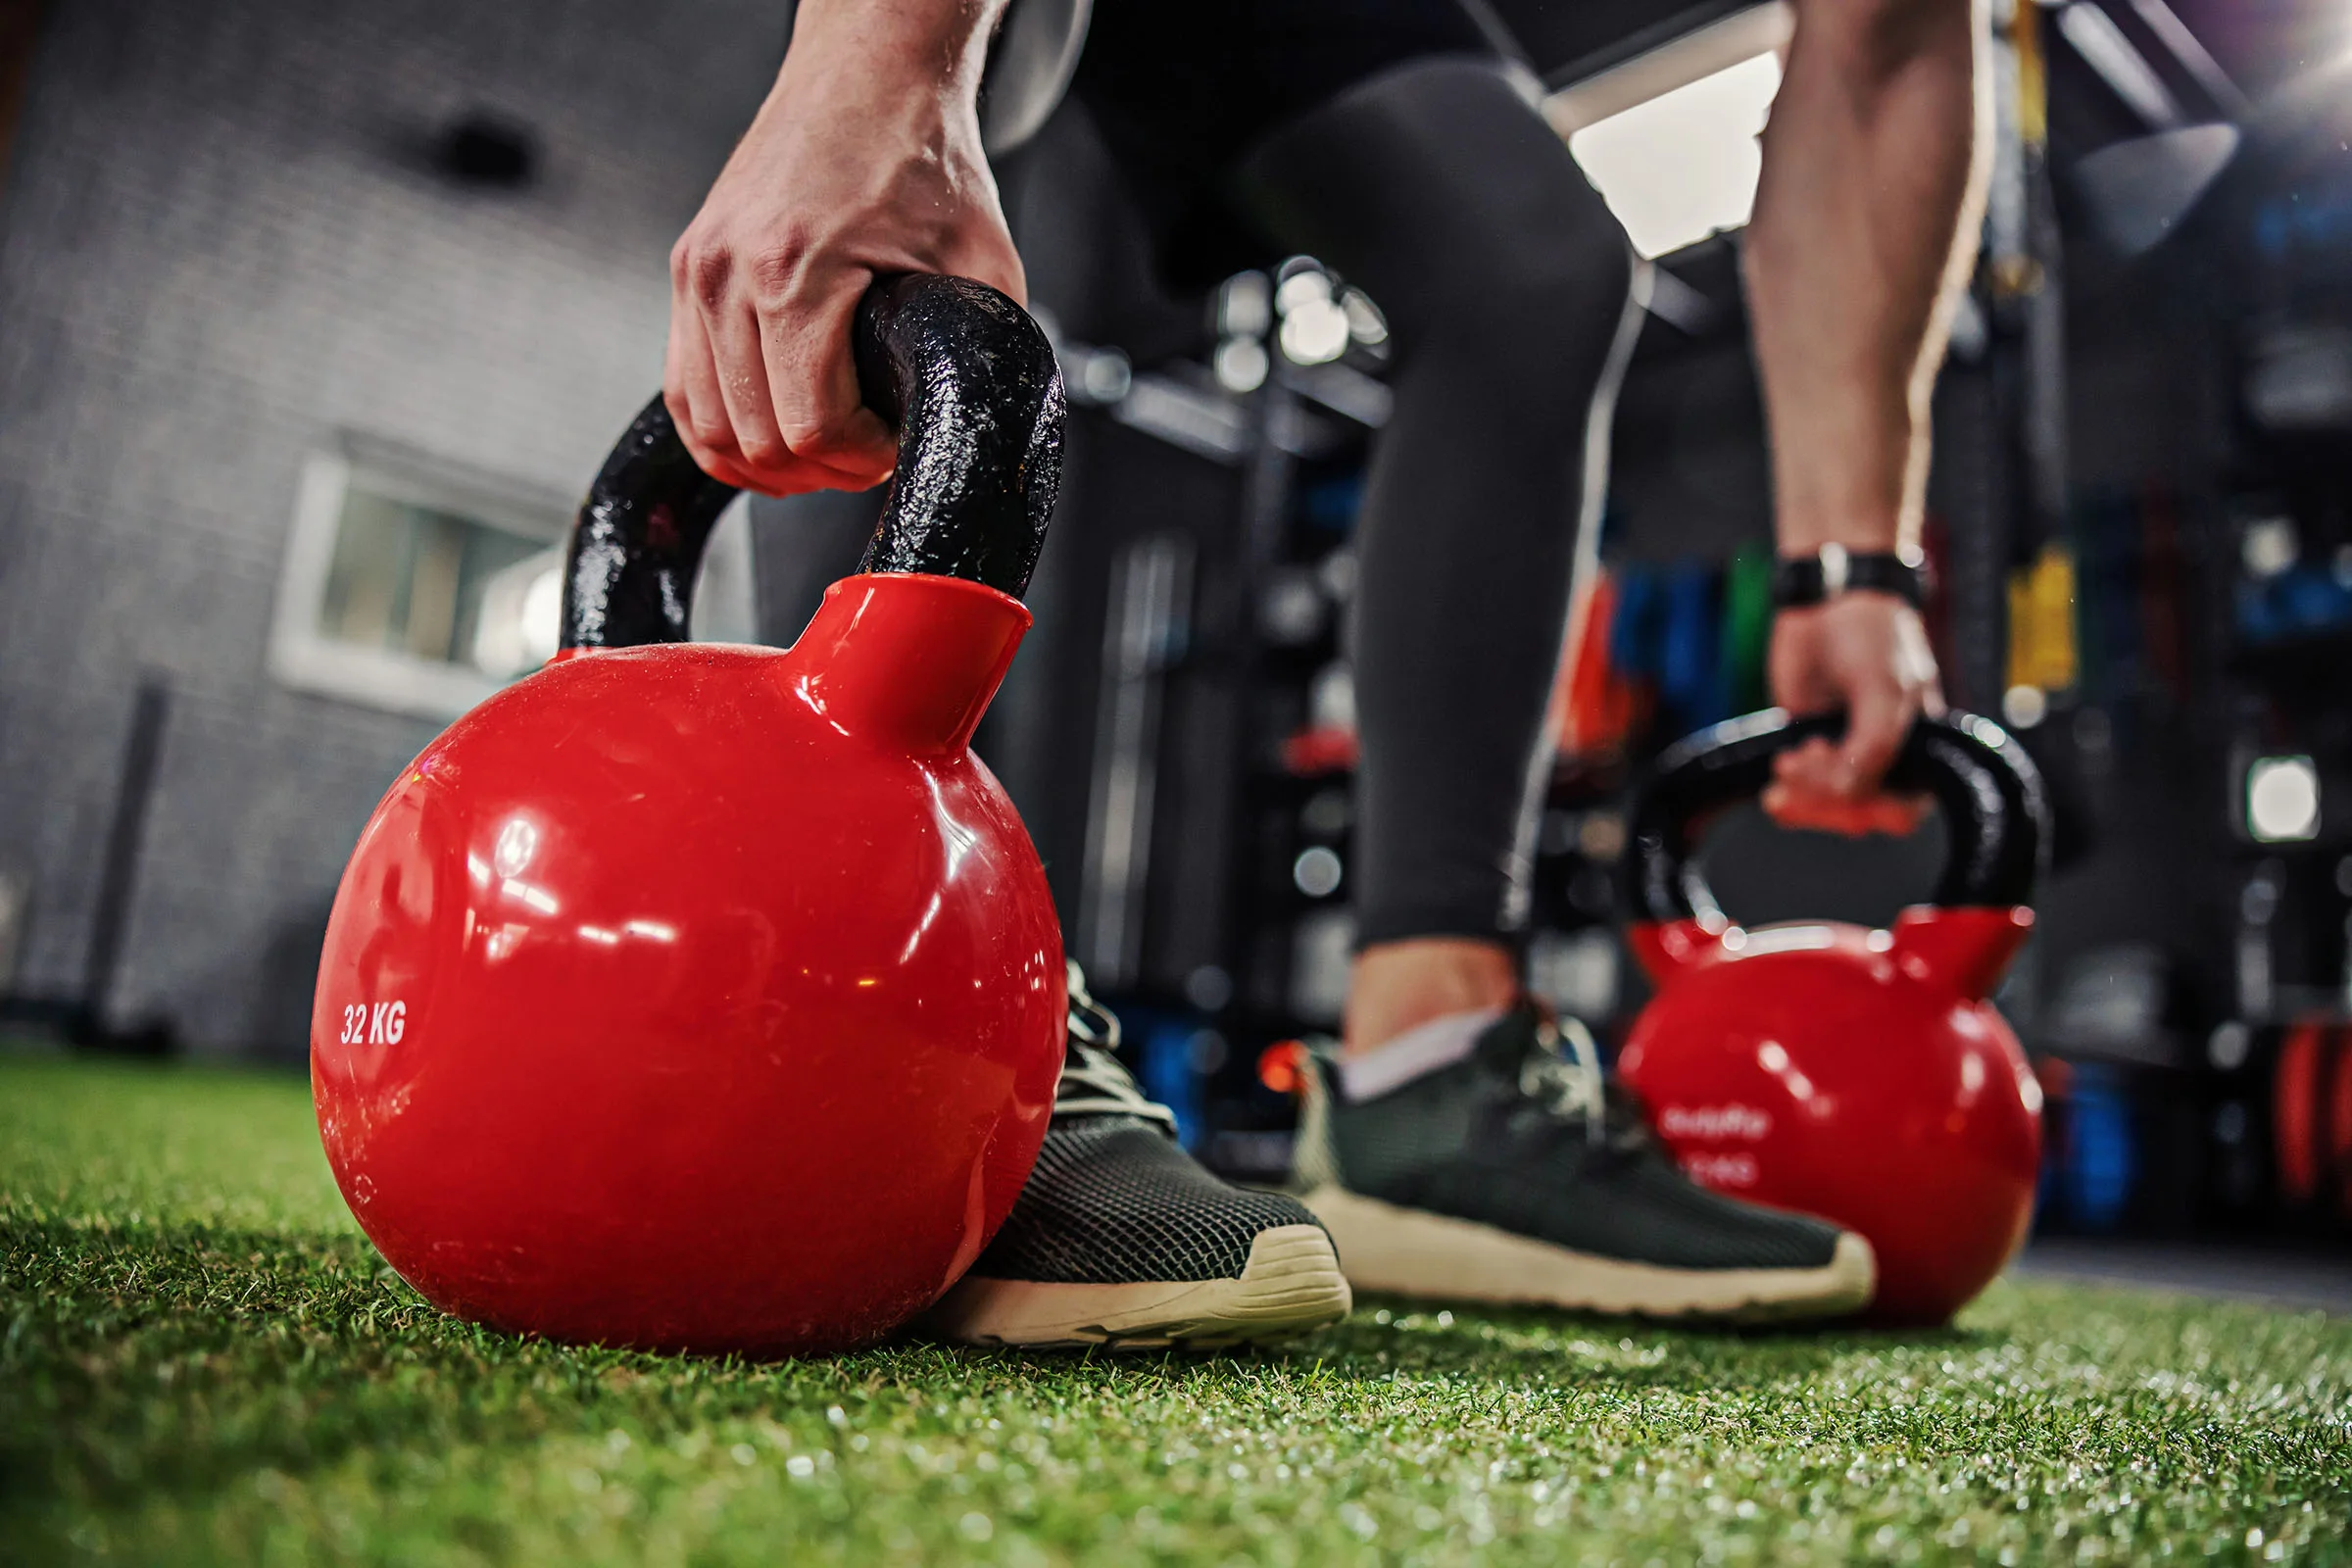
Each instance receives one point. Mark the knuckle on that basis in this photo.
(763, 451)
(710, 270)
(812, 427)
(813, 434)
(774, 272)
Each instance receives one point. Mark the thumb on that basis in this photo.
(987, 256)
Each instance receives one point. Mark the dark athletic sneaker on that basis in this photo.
(1121, 1239)
(1523, 1174)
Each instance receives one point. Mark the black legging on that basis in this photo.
(1505, 283)
(1417, 169)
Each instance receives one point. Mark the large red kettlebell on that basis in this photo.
(711, 997)
(1857, 1075)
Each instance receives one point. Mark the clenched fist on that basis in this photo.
(864, 159)
(1865, 653)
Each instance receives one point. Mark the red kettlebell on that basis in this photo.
(711, 997)
(1857, 1075)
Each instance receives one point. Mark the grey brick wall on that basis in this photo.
(220, 247)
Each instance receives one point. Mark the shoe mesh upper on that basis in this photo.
(1113, 1201)
(1469, 1140)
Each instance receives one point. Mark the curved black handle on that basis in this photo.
(971, 384)
(1995, 810)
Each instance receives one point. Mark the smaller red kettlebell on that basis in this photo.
(1854, 1074)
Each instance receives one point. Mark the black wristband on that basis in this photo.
(1814, 579)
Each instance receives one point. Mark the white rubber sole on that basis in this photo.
(1292, 1283)
(1406, 1251)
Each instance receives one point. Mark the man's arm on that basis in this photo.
(1874, 172)
(864, 159)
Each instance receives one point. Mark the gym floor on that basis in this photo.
(204, 1363)
(2268, 1275)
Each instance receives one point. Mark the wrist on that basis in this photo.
(911, 49)
(897, 110)
(1829, 574)
(1861, 539)
(1865, 521)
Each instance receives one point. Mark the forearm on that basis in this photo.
(894, 45)
(1872, 172)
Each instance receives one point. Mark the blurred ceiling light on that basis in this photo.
(1245, 305)
(2269, 546)
(1683, 165)
(2126, 71)
(1669, 136)
(2300, 379)
(1307, 286)
(1105, 375)
(1317, 871)
(2174, 34)
(1314, 331)
(2025, 707)
(1241, 365)
(2282, 799)
(2139, 189)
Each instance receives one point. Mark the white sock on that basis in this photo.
(1423, 1049)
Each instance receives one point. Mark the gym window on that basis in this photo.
(422, 587)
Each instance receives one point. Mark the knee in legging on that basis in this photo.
(1539, 312)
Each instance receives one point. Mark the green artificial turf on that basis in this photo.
(201, 1360)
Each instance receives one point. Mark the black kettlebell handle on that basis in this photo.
(972, 386)
(1994, 810)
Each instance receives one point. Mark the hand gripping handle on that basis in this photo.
(1988, 789)
(972, 386)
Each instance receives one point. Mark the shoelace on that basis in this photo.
(1093, 1082)
(1564, 1076)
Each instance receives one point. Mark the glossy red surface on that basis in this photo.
(1856, 1075)
(700, 996)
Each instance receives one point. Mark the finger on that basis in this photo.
(690, 389)
(1898, 816)
(812, 384)
(690, 377)
(1805, 791)
(1794, 807)
(990, 257)
(1809, 767)
(1901, 814)
(740, 371)
(1877, 718)
(724, 471)
(675, 395)
(797, 477)
(1916, 658)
